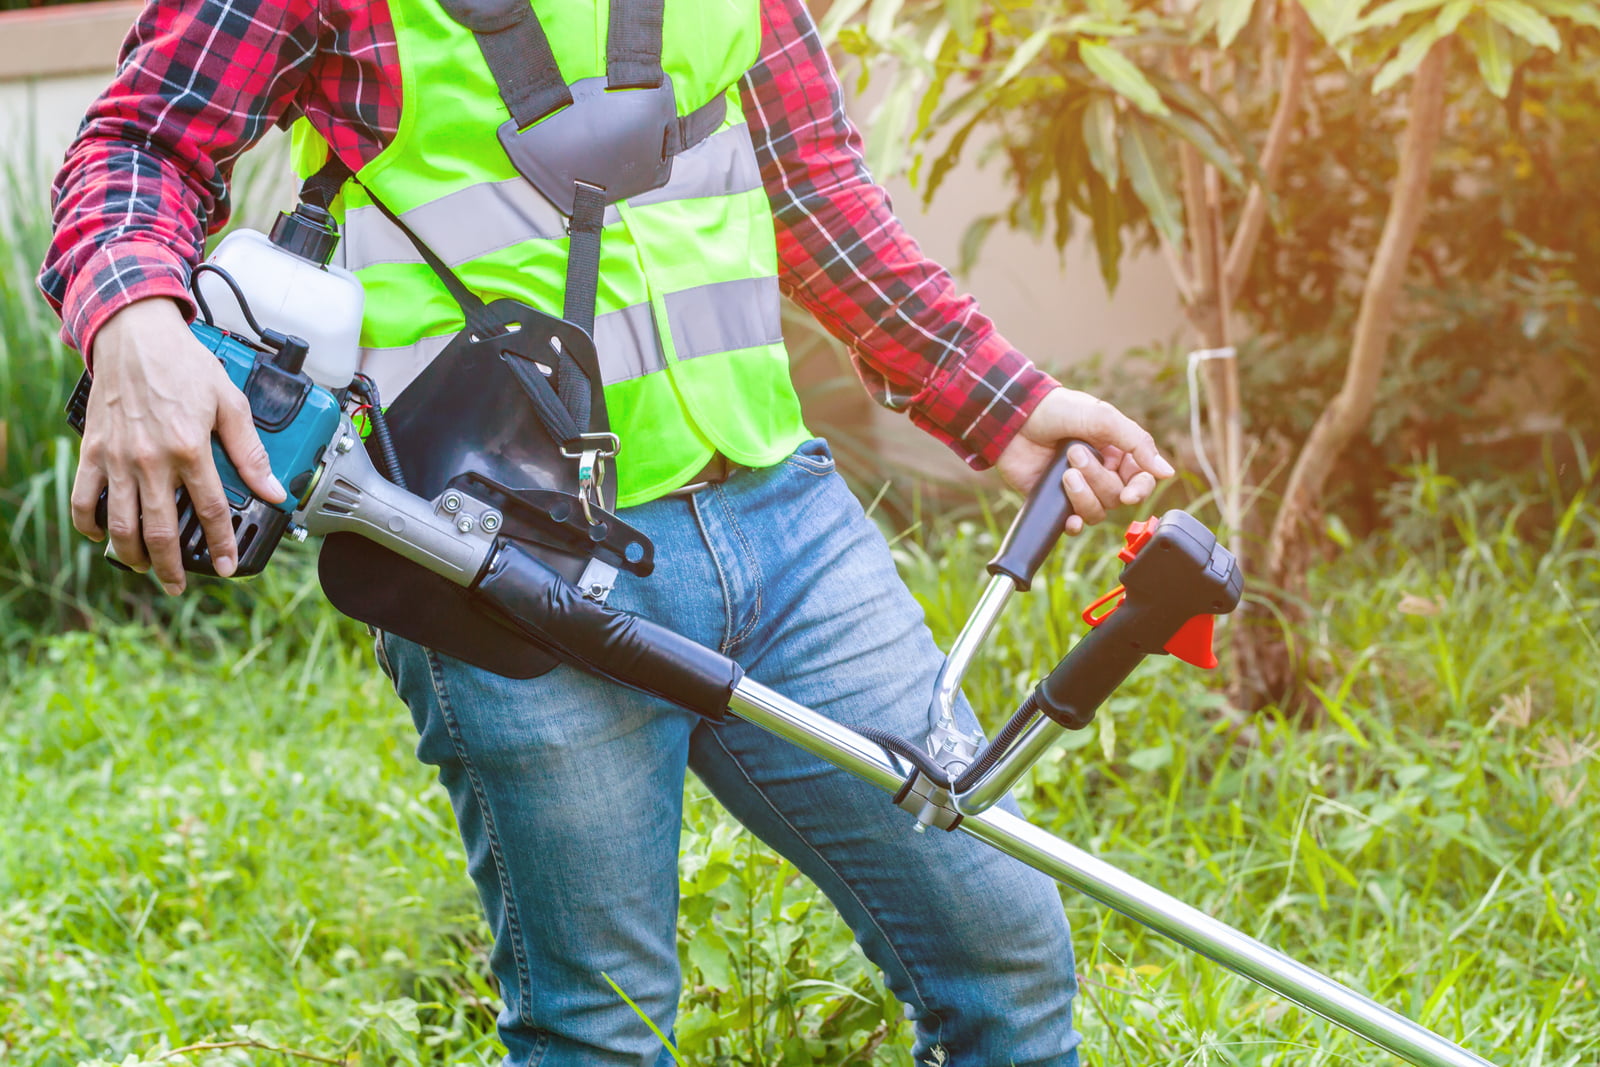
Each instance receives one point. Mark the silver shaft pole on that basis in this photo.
(948, 683)
(1024, 752)
(1095, 878)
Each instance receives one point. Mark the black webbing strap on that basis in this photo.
(633, 44)
(697, 125)
(518, 53)
(583, 254)
(479, 322)
(560, 422)
(320, 189)
(525, 70)
(583, 284)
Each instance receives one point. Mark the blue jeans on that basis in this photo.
(568, 792)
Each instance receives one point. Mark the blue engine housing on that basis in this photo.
(296, 419)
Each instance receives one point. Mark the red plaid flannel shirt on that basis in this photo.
(200, 82)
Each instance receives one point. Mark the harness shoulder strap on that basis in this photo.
(633, 44)
(525, 70)
(518, 53)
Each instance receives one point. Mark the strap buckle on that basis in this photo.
(595, 449)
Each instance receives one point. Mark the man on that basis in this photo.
(567, 790)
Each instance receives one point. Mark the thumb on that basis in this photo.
(243, 445)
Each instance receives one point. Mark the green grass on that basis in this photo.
(222, 837)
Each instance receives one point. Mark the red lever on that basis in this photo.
(1138, 535)
(1093, 619)
(1192, 642)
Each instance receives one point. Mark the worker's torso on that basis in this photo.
(687, 312)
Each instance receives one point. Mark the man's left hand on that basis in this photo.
(1127, 473)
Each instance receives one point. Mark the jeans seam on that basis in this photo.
(754, 568)
(871, 915)
(716, 564)
(820, 470)
(496, 850)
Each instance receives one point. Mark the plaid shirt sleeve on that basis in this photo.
(197, 83)
(918, 343)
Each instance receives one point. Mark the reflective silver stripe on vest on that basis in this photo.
(473, 222)
(722, 317)
(725, 316)
(625, 341)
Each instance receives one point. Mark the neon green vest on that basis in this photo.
(687, 314)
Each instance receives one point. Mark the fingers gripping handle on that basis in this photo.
(1037, 527)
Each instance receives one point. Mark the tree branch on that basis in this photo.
(1349, 410)
(1254, 214)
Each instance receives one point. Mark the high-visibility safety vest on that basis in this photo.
(687, 325)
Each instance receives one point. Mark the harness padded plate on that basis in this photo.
(619, 141)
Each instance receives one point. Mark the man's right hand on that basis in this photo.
(158, 395)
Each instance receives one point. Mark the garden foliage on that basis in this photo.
(212, 844)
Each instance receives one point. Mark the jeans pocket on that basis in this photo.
(813, 457)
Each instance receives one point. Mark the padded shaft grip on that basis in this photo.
(1038, 526)
(614, 644)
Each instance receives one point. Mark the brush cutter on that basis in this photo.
(489, 544)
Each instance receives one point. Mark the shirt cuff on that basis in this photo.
(114, 277)
(979, 405)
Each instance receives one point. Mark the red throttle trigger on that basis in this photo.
(1192, 643)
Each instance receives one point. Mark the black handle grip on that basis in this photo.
(1037, 527)
(1181, 573)
(1074, 691)
(614, 644)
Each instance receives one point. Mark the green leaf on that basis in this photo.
(1100, 138)
(1026, 53)
(1492, 47)
(1118, 71)
(1392, 12)
(1196, 133)
(1452, 15)
(654, 1029)
(1184, 97)
(972, 241)
(839, 13)
(963, 17)
(1408, 59)
(1526, 23)
(1108, 735)
(1144, 157)
(1097, 26)
(708, 952)
(1105, 212)
(1232, 16)
(950, 156)
(1151, 759)
(1334, 19)
(1583, 12)
(886, 148)
(881, 20)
